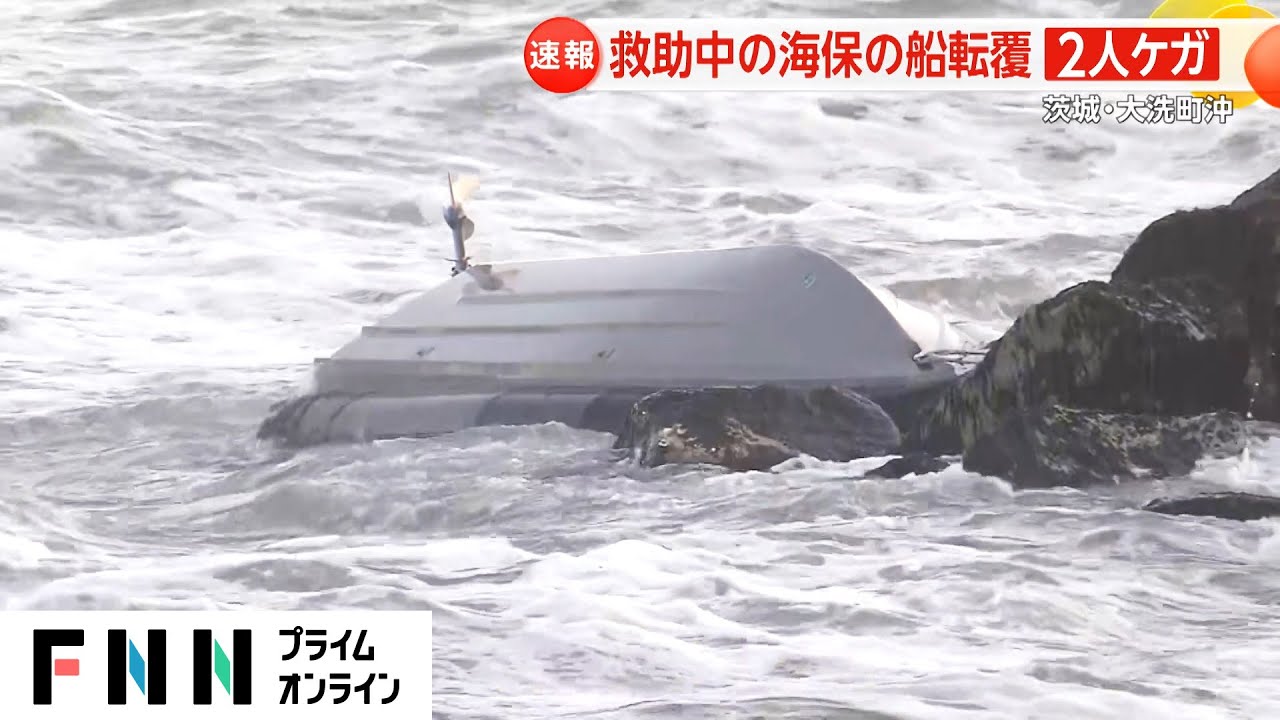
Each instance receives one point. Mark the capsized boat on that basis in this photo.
(579, 340)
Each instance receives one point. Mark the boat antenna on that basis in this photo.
(462, 226)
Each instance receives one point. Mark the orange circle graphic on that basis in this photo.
(1262, 66)
(1229, 9)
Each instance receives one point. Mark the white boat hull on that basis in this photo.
(579, 340)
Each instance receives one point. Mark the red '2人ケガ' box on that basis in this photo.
(1131, 53)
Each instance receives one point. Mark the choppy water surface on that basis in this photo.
(197, 198)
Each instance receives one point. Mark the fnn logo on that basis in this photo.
(251, 664)
(126, 664)
(208, 660)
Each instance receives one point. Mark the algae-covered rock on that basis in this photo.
(1055, 446)
(1173, 347)
(755, 428)
(1186, 325)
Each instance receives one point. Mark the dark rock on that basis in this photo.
(1225, 505)
(1263, 197)
(1236, 246)
(907, 406)
(1055, 446)
(755, 428)
(1174, 347)
(909, 464)
(1185, 326)
(1224, 243)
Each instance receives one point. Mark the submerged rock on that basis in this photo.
(755, 428)
(909, 464)
(1225, 505)
(1055, 446)
(1174, 347)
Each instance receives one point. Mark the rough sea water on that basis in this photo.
(197, 198)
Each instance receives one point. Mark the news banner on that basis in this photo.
(1157, 71)
(226, 664)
